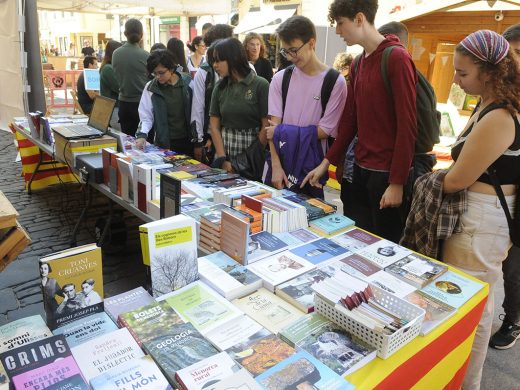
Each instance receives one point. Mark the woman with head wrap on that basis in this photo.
(484, 66)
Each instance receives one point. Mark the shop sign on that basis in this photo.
(282, 2)
(170, 20)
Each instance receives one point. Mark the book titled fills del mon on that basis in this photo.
(72, 284)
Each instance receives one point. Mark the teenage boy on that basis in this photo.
(386, 125)
(85, 96)
(509, 332)
(303, 109)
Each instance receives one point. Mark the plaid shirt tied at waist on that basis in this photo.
(434, 216)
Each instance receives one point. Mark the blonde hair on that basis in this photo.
(342, 61)
(249, 37)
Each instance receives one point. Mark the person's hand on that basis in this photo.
(140, 143)
(279, 178)
(314, 176)
(197, 153)
(208, 144)
(269, 130)
(227, 166)
(393, 196)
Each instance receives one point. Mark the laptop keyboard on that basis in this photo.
(83, 130)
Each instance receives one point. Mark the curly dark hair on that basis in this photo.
(249, 37)
(505, 78)
(161, 57)
(218, 31)
(350, 8)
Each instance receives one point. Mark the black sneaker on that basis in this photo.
(506, 336)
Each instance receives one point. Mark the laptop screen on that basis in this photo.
(101, 113)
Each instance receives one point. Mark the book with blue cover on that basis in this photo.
(319, 251)
(302, 371)
(263, 244)
(331, 224)
(452, 289)
(86, 329)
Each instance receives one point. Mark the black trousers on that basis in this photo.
(129, 117)
(366, 191)
(182, 146)
(511, 270)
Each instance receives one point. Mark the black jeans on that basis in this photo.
(129, 117)
(511, 270)
(346, 198)
(367, 188)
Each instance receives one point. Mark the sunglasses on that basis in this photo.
(291, 51)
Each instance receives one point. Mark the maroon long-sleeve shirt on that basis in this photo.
(386, 125)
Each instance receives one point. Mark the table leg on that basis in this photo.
(81, 217)
(107, 223)
(40, 160)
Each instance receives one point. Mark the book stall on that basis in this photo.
(248, 287)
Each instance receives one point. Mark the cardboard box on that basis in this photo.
(67, 150)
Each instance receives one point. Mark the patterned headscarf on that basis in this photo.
(486, 45)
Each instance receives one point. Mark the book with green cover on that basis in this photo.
(298, 330)
(23, 331)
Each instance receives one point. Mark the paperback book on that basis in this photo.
(236, 331)
(436, 312)
(355, 239)
(204, 308)
(296, 237)
(302, 371)
(234, 240)
(263, 244)
(294, 333)
(74, 382)
(319, 251)
(417, 270)
(391, 284)
(23, 331)
(384, 253)
(127, 301)
(240, 380)
(72, 284)
(357, 266)
(331, 224)
(209, 371)
(86, 329)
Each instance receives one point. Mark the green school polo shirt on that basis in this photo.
(176, 120)
(242, 104)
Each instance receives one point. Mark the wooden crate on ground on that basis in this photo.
(13, 237)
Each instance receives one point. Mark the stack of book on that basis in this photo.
(331, 225)
(315, 207)
(13, 237)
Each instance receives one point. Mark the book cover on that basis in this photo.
(74, 382)
(297, 331)
(357, 266)
(106, 352)
(34, 355)
(23, 331)
(390, 284)
(170, 195)
(228, 277)
(436, 312)
(209, 371)
(240, 380)
(142, 373)
(270, 311)
(170, 249)
(261, 354)
(127, 301)
(417, 270)
(279, 268)
(452, 289)
(298, 291)
(145, 323)
(331, 224)
(384, 253)
(319, 251)
(338, 349)
(45, 376)
(72, 284)
(263, 244)
(302, 371)
(237, 331)
(355, 239)
(234, 240)
(200, 305)
(296, 237)
(86, 329)
(178, 348)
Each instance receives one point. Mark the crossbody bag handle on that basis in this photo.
(496, 184)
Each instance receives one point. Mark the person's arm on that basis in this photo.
(146, 118)
(488, 140)
(197, 107)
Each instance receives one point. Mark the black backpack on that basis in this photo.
(326, 88)
(428, 118)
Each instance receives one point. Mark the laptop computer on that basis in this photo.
(97, 124)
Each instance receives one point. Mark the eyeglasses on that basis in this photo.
(292, 51)
(160, 73)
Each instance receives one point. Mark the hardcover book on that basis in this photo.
(178, 348)
(72, 284)
(436, 312)
(416, 270)
(170, 249)
(355, 239)
(240, 380)
(319, 251)
(86, 329)
(146, 322)
(127, 301)
(384, 253)
(31, 356)
(261, 354)
(302, 371)
(452, 289)
(106, 352)
(239, 330)
(270, 311)
(44, 376)
(229, 278)
(209, 371)
(279, 268)
(294, 333)
(200, 305)
(142, 373)
(23, 331)
(391, 284)
(170, 196)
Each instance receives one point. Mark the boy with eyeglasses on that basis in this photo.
(299, 130)
(386, 125)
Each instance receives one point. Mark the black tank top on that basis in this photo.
(507, 165)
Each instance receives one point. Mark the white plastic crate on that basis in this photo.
(386, 344)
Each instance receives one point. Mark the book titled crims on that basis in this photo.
(72, 284)
(169, 248)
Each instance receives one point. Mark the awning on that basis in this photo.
(263, 21)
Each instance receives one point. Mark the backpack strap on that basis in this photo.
(285, 85)
(384, 68)
(326, 88)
